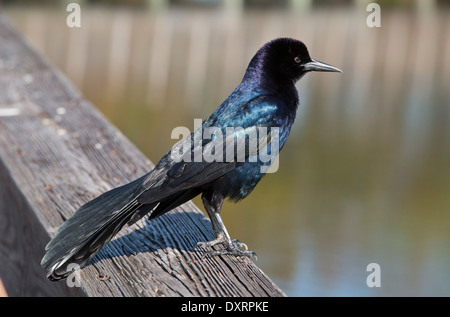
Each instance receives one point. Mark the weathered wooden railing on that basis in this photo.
(56, 153)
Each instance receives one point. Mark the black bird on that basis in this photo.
(266, 97)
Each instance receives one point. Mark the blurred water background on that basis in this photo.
(365, 175)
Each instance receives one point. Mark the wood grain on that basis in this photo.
(56, 153)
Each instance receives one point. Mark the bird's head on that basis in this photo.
(287, 59)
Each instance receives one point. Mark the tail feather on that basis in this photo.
(92, 226)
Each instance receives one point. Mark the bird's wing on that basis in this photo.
(240, 128)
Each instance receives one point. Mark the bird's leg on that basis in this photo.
(232, 246)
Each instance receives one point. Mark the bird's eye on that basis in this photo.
(297, 59)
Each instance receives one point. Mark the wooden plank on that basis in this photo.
(56, 153)
(2, 290)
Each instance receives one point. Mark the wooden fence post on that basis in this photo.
(56, 153)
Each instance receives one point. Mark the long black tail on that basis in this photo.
(92, 226)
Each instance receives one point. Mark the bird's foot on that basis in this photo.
(234, 247)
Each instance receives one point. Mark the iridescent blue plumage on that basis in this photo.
(266, 98)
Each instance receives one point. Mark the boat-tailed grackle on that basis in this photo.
(266, 98)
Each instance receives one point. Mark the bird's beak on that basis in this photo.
(317, 66)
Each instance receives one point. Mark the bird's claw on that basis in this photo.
(234, 247)
(240, 244)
